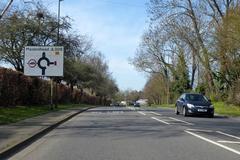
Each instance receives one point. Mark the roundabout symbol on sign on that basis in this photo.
(44, 61)
(32, 63)
(44, 58)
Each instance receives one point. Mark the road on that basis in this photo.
(138, 134)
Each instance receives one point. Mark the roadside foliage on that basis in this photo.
(86, 74)
(18, 89)
(194, 46)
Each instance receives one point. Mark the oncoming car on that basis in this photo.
(136, 104)
(194, 104)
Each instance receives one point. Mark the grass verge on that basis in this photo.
(15, 114)
(226, 109)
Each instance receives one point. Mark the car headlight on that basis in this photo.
(190, 105)
(211, 106)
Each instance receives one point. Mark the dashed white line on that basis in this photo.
(180, 120)
(215, 143)
(160, 120)
(229, 135)
(155, 113)
(142, 113)
(199, 130)
(230, 142)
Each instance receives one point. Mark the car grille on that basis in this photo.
(202, 107)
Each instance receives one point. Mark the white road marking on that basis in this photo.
(160, 120)
(229, 135)
(142, 113)
(180, 120)
(155, 113)
(230, 142)
(131, 108)
(108, 112)
(199, 130)
(215, 143)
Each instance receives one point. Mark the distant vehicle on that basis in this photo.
(194, 104)
(142, 102)
(123, 103)
(136, 104)
(114, 104)
(131, 103)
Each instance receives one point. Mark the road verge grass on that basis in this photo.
(226, 109)
(18, 113)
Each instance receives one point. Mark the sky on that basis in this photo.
(116, 27)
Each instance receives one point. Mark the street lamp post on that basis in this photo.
(58, 27)
(58, 30)
(5, 9)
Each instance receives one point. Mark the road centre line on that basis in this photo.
(155, 113)
(180, 120)
(142, 113)
(160, 120)
(229, 135)
(199, 130)
(230, 142)
(215, 143)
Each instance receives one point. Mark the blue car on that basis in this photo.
(194, 104)
(136, 104)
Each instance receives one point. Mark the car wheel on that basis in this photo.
(211, 115)
(185, 114)
(176, 111)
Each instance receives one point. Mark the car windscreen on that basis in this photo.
(196, 97)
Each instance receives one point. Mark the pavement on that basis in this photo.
(16, 136)
(120, 133)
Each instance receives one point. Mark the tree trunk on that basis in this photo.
(206, 61)
(194, 68)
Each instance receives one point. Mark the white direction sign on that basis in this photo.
(43, 61)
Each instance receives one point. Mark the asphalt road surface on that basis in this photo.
(120, 133)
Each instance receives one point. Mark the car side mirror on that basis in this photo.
(181, 99)
(209, 100)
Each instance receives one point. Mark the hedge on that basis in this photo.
(18, 89)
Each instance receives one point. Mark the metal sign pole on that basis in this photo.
(51, 99)
(58, 28)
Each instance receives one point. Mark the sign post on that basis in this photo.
(51, 93)
(45, 61)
